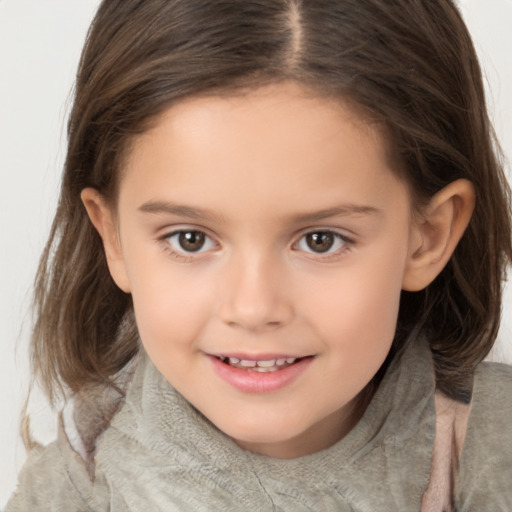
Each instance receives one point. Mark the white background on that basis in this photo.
(40, 42)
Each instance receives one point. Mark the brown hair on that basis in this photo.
(410, 64)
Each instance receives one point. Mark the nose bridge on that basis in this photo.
(256, 297)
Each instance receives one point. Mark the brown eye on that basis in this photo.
(191, 241)
(320, 242)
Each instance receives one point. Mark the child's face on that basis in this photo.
(266, 227)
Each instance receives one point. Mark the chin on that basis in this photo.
(282, 441)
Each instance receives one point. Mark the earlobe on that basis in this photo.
(102, 218)
(437, 232)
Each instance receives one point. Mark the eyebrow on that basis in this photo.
(343, 210)
(195, 213)
(190, 212)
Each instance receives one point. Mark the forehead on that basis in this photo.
(277, 142)
(302, 112)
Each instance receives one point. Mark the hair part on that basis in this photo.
(408, 64)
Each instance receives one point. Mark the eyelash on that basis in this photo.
(186, 256)
(346, 244)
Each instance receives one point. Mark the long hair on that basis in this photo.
(409, 64)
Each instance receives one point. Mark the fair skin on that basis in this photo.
(267, 226)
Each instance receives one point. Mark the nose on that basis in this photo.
(256, 297)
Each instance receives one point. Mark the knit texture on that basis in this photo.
(160, 454)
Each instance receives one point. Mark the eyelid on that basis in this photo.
(348, 243)
(169, 230)
(164, 240)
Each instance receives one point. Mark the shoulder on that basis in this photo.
(486, 460)
(55, 478)
(490, 419)
(492, 381)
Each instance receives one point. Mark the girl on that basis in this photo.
(276, 265)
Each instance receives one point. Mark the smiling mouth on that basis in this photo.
(263, 366)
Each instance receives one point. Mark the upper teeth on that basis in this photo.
(245, 363)
(250, 363)
(266, 364)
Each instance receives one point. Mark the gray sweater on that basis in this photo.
(159, 454)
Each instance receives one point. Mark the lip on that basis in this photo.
(248, 381)
(267, 356)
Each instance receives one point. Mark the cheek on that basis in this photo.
(170, 307)
(362, 316)
(357, 331)
(357, 307)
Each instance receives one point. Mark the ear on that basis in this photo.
(437, 232)
(102, 217)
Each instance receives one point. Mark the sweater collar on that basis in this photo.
(394, 435)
